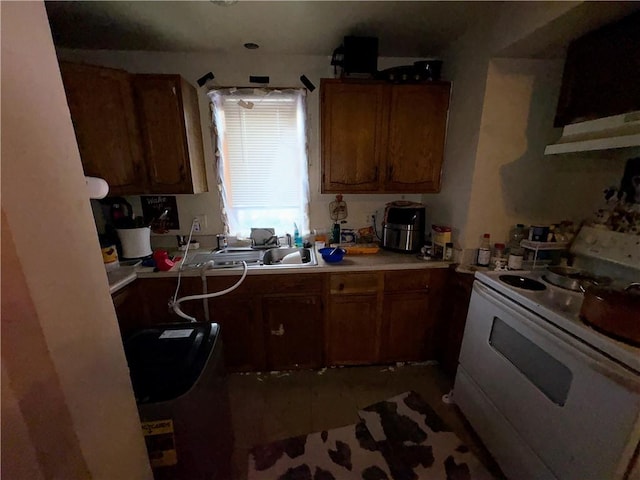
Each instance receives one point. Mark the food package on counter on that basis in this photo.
(440, 236)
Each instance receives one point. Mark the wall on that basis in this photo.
(68, 409)
(513, 181)
(501, 115)
(234, 70)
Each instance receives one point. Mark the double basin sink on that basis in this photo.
(278, 257)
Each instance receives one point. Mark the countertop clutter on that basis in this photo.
(383, 260)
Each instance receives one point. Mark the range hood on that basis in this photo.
(619, 131)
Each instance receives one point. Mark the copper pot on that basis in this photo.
(614, 312)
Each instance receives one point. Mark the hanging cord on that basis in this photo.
(184, 259)
(176, 304)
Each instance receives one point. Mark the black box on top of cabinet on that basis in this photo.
(360, 55)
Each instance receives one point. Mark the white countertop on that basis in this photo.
(383, 260)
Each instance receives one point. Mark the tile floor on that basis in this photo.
(267, 407)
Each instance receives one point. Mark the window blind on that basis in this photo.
(262, 166)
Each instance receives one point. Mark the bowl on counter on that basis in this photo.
(329, 256)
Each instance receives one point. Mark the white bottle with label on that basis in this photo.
(484, 252)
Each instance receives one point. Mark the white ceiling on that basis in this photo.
(404, 28)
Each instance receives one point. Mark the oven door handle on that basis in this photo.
(563, 340)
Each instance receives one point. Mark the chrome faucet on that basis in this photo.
(289, 243)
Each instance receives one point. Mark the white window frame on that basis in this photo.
(263, 177)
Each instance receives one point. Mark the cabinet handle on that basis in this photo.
(279, 332)
(173, 89)
(427, 288)
(375, 173)
(390, 174)
(341, 286)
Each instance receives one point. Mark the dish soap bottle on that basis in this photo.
(297, 239)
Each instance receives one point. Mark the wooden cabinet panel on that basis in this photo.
(129, 309)
(354, 283)
(294, 331)
(155, 294)
(161, 109)
(141, 133)
(352, 136)
(103, 114)
(408, 280)
(411, 308)
(381, 137)
(408, 329)
(353, 330)
(450, 326)
(241, 329)
(601, 73)
(417, 126)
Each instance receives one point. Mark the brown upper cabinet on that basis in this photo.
(104, 119)
(601, 73)
(141, 133)
(167, 107)
(382, 138)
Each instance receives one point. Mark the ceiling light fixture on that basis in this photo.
(251, 46)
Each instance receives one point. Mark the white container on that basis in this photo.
(136, 242)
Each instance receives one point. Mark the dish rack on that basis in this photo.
(537, 247)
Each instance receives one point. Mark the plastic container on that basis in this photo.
(516, 251)
(499, 257)
(484, 252)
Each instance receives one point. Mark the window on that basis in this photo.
(262, 159)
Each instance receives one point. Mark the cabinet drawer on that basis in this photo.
(268, 284)
(410, 280)
(353, 283)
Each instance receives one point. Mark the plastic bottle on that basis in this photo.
(484, 252)
(499, 258)
(297, 239)
(516, 252)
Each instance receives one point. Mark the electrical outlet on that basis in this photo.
(199, 223)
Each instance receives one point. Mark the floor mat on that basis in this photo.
(401, 438)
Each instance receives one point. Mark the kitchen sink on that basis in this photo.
(255, 258)
(289, 256)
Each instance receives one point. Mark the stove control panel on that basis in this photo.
(616, 247)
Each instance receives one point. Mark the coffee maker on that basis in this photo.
(403, 227)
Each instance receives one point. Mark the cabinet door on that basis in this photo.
(417, 127)
(353, 136)
(241, 330)
(294, 337)
(103, 114)
(352, 330)
(601, 73)
(411, 308)
(159, 103)
(408, 329)
(155, 294)
(128, 308)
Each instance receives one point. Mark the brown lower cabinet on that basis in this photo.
(277, 322)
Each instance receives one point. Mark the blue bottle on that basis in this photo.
(297, 239)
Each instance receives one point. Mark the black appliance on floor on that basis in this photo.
(178, 378)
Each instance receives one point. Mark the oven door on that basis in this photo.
(574, 408)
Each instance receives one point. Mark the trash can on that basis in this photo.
(178, 377)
